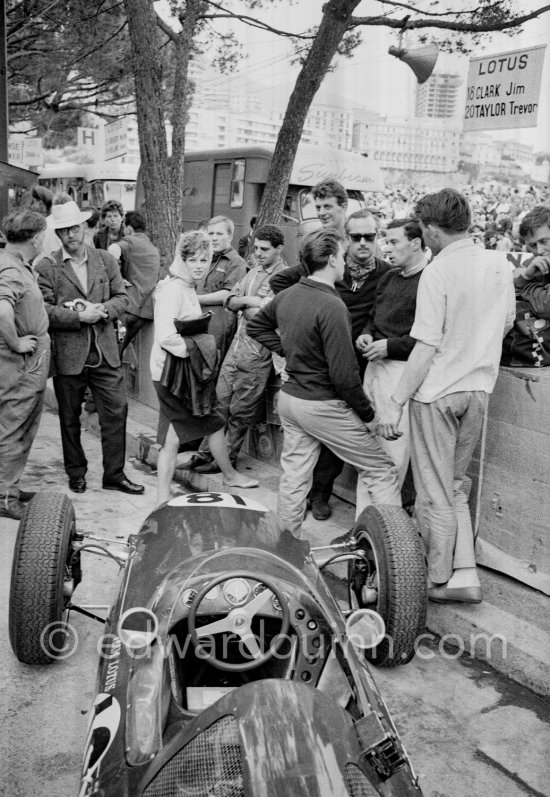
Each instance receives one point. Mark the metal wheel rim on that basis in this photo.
(374, 578)
(68, 576)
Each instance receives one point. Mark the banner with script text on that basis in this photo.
(503, 90)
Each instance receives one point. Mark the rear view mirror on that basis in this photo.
(137, 628)
(365, 628)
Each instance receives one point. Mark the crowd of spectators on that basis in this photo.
(496, 210)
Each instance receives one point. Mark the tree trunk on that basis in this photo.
(147, 67)
(336, 16)
(181, 102)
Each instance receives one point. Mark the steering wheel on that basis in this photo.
(238, 621)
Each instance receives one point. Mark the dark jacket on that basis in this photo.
(536, 292)
(140, 265)
(315, 337)
(193, 379)
(226, 269)
(101, 237)
(71, 340)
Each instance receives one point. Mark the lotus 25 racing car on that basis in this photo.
(228, 667)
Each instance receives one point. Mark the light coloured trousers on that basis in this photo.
(381, 379)
(22, 389)
(307, 424)
(444, 435)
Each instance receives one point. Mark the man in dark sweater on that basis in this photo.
(357, 288)
(323, 400)
(385, 342)
(226, 269)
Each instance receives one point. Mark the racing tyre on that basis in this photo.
(45, 571)
(390, 579)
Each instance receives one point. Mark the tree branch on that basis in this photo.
(165, 28)
(416, 10)
(465, 27)
(255, 23)
(25, 23)
(101, 44)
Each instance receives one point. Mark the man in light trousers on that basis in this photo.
(322, 401)
(465, 305)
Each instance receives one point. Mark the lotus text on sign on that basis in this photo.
(503, 90)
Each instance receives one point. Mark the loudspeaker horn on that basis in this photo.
(421, 61)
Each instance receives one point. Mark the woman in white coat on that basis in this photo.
(175, 298)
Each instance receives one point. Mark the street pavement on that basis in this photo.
(469, 731)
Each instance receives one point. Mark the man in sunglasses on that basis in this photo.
(357, 289)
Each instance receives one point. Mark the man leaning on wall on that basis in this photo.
(465, 305)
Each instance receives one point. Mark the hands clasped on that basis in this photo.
(372, 349)
(93, 313)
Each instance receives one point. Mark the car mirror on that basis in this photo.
(137, 628)
(365, 628)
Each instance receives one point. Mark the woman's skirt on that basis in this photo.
(187, 427)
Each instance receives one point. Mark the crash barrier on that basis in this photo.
(510, 496)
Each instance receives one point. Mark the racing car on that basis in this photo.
(228, 666)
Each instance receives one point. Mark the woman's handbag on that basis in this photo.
(196, 326)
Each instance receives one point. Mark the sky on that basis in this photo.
(373, 78)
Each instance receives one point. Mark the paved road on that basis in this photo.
(469, 731)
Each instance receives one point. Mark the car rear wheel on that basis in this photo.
(45, 571)
(390, 578)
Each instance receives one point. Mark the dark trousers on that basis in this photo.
(107, 388)
(328, 468)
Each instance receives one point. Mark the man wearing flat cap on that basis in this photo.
(84, 295)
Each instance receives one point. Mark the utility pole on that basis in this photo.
(3, 107)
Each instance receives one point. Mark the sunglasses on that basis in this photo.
(356, 237)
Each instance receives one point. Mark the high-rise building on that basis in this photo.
(437, 97)
(426, 145)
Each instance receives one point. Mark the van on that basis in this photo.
(231, 182)
(92, 184)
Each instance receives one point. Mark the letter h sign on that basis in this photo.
(86, 137)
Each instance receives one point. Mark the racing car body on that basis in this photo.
(227, 668)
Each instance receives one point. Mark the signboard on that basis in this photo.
(33, 153)
(503, 90)
(24, 151)
(354, 171)
(16, 153)
(87, 137)
(116, 139)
